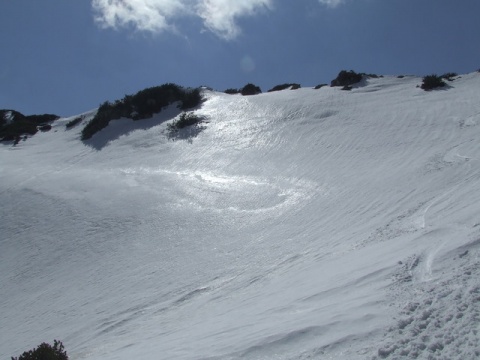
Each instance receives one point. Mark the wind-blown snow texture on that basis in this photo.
(306, 224)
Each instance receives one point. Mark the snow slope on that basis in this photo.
(305, 224)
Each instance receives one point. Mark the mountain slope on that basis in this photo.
(290, 225)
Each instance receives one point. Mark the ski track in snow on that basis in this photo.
(306, 224)
(439, 319)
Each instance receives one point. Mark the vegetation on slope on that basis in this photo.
(145, 103)
(142, 105)
(45, 352)
(14, 124)
(449, 76)
(74, 122)
(185, 119)
(280, 87)
(346, 78)
(432, 82)
(250, 89)
(232, 91)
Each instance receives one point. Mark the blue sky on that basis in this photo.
(68, 56)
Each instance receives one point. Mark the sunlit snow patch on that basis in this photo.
(218, 192)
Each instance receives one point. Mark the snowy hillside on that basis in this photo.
(300, 224)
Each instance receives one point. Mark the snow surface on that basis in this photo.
(8, 117)
(306, 224)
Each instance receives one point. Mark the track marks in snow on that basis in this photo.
(436, 319)
(407, 267)
(408, 222)
(413, 220)
(457, 155)
(121, 321)
(469, 121)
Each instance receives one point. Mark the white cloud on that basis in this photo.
(147, 15)
(219, 15)
(331, 3)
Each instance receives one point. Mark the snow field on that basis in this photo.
(292, 225)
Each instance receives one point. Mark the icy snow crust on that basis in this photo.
(306, 224)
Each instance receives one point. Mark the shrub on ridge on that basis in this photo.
(142, 105)
(285, 86)
(45, 352)
(432, 82)
(449, 76)
(74, 122)
(346, 78)
(250, 89)
(232, 91)
(186, 119)
(14, 124)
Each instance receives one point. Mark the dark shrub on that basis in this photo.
(449, 76)
(9, 116)
(149, 101)
(74, 122)
(45, 118)
(44, 127)
(432, 82)
(347, 87)
(45, 351)
(14, 124)
(320, 86)
(186, 119)
(285, 86)
(190, 98)
(142, 105)
(374, 76)
(400, 76)
(232, 91)
(250, 89)
(17, 129)
(100, 121)
(346, 78)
